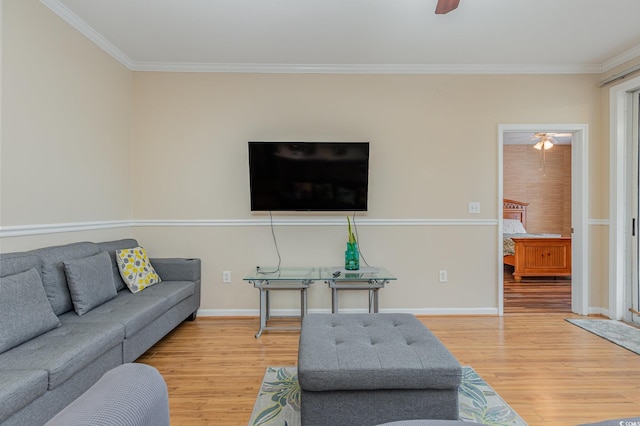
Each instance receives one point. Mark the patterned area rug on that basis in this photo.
(278, 401)
(617, 332)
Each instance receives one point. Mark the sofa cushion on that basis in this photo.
(13, 263)
(19, 388)
(90, 281)
(66, 350)
(111, 247)
(24, 309)
(133, 310)
(174, 291)
(53, 276)
(136, 269)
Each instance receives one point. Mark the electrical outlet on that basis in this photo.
(443, 276)
(226, 276)
(474, 207)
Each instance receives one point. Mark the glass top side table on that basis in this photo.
(371, 279)
(267, 279)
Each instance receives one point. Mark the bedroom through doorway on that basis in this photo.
(537, 221)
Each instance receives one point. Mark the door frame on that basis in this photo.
(620, 136)
(633, 283)
(579, 208)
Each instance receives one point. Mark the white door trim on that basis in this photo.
(620, 128)
(579, 207)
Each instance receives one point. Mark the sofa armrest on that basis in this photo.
(129, 395)
(177, 269)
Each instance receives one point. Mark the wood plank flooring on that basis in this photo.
(536, 295)
(551, 372)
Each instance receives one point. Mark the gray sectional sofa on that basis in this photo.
(49, 354)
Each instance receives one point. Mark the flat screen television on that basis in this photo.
(309, 176)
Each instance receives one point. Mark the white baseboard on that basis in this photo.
(296, 312)
(599, 311)
(228, 313)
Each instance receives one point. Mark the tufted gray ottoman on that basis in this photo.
(366, 369)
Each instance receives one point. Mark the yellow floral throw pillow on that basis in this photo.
(135, 269)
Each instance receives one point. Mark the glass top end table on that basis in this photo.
(268, 279)
(370, 278)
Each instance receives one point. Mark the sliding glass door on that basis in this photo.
(634, 204)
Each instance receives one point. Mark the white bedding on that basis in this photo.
(508, 246)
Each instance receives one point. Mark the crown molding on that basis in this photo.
(367, 68)
(85, 29)
(629, 55)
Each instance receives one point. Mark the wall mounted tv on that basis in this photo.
(309, 176)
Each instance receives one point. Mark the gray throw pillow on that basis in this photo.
(25, 312)
(90, 281)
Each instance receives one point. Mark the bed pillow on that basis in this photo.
(512, 226)
(25, 312)
(90, 281)
(136, 269)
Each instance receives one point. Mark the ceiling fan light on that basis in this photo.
(543, 143)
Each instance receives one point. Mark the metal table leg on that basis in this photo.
(267, 299)
(372, 294)
(375, 300)
(264, 306)
(303, 303)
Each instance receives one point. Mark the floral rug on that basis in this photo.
(616, 332)
(278, 401)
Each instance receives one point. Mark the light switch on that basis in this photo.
(474, 207)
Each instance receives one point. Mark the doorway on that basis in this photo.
(537, 179)
(578, 203)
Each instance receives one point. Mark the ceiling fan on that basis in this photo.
(546, 141)
(446, 6)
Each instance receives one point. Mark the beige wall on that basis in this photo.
(66, 124)
(431, 153)
(433, 149)
(85, 140)
(542, 179)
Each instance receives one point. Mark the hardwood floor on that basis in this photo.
(550, 371)
(536, 295)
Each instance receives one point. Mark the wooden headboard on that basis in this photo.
(515, 210)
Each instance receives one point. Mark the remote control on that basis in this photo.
(336, 274)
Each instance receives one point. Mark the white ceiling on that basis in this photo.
(481, 36)
(529, 138)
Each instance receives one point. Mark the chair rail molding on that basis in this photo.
(41, 229)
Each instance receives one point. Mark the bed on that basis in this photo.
(532, 255)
